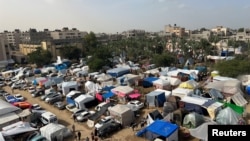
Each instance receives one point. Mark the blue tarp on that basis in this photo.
(117, 72)
(107, 95)
(148, 82)
(158, 128)
(37, 71)
(108, 88)
(156, 98)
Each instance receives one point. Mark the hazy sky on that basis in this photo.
(111, 16)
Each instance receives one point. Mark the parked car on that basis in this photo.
(109, 129)
(135, 105)
(19, 97)
(36, 107)
(103, 121)
(37, 93)
(71, 107)
(84, 116)
(78, 111)
(23, 105)
(60, 105)
(11, 99)
(47, 95)
(53, 98)
(31, 89)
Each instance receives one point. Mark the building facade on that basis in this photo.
(175, 30)
(67, 33)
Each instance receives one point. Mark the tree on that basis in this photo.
(241, 29)
(164, 59)
(71, 52)
(90, 41)
(40, 57)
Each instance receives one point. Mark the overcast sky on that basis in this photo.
(112, 16)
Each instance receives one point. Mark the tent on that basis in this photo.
(17, 128)
(160, 129)
(227, 116)
(104, 77)
(54, 131)
(122, 114)
(162, 84)
(156, 98)
(117, 72)
(193, 120)
(167, 93)
(190, 84)
(213, 107)
(201, 132)
(148, 81)
(122, 91)
(69, 86)
(152, 116)
(181, 92)
(131, 79)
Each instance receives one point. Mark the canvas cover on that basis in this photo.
(201, 132)
(156, 98)
(17, 128)
(123, 114)
(148, 81)
(193, 120)
(122, 90)
(227, 116)
(181, 92)
(190, 84)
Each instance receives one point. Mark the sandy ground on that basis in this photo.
(126, 134)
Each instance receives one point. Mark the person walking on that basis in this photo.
(73, 128)
(74, 117)
(87, 139)
(79, 135)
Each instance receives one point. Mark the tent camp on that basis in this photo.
(160, 129)
(173, 81)
(152, 116)
(54, 131)
(122, 114)
(156, 98)
(122, 92)
(190, 84)
(69, 86)
(167, 93)
(117, 72)
(104, 93)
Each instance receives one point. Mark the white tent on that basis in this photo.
(53, 130)
(69, 86)
(201, 131)
(104, 77)
(122, 90)
(181, 92)
(162, 84)
(17, 128)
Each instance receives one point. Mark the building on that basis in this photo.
(67, 33)
(221, 31)
(33, 36)
(134, 33)
(200, 35)
(3, 48)
(243, 36)
(175, 30)
(13, 38)
(25, 49)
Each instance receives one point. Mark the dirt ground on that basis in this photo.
(126, 134)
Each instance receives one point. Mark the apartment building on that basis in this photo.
(33, 36)
(13, 38)
(67, 33)
(134, 33)
(175, 30)
(221, 31)
(243, 36)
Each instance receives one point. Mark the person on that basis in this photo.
(74, 117)
(87, 139)
(79, 135)
(73, 128)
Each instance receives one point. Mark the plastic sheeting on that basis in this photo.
(193, 120)
(201, 132)
(227, 116)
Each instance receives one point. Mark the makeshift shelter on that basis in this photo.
(90, 86)
(168, 108)
(155, 98)
(160, 129)
(69, 86)
(193, 120)
(194, 104)
(17, 128)
(152, 116)
(148, 81)
(117, 72)
(213, 107)
(122, 114)
(227, 116)
(181, 92)
(201, 132)
(162, 84)
(131, 79)
(174, 100)
(104, 77)
(122, 92)
(190, 84)
(167, 93)
(104, 93)
(54, 131)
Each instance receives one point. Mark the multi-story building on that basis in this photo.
(67, 33)
(200, 35)
(134, 33)
(221, 31)
(243, 36)
(13, 38)
(33, 36)
(175, 30)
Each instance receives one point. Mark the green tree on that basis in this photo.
(90, 41)
(71, 52)
(40, 57)
(164, 59)
(241, 29)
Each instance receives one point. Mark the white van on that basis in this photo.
(48, 117)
